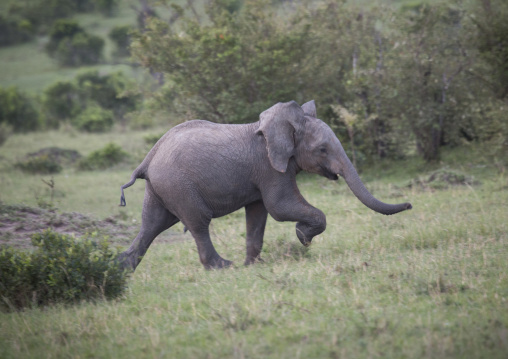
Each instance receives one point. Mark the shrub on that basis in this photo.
(232, 67)
(14, 30)
(48, 160)
(17, 110)
(106, 157)
(43, 164)
(94, 119)
(120, 35)
(61, 101)
(152, 139)
(70, 45)
(109, 91)
(62, 269)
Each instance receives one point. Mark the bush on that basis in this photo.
(106, 157)
(120, 35)
(13, 31)
(61, 101)
(232, 67)
(62, 269)
(48, 160)
(109, 91)
(17, 110)
(43, 164)
(94, 119)
(70, 45)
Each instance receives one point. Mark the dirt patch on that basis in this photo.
(443, 179)
(18, 223)
(60, 155)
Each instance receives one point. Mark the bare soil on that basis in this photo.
(18, 223)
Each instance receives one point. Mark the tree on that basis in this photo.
(70, 45)
(17, 110)
(230, 68)
(433, 56)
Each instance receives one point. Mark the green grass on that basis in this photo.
(431, 282)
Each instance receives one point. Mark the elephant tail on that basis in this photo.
(141, 171)
(138, 173)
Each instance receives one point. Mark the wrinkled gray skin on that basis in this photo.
(201, 170)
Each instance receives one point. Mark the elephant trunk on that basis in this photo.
(355, 184)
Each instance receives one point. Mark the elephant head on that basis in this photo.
(294, 131)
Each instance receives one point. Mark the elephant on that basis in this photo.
(201, 170)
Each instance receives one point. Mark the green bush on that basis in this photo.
(17, 110)
(62, 269)
(43, 164)
(13, 31)
(109, 91)
(106, 157)
(61, 101)
(70, 45)
(231, 68)
(48, 160)
(120, 35)
(94, 119)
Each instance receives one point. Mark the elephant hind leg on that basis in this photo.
(199, 227)
(155, 219)
(256, 215)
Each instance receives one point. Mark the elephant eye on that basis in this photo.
(323, 150)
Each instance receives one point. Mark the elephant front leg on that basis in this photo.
(286, 204)
(256, 215)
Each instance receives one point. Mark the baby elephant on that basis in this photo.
(201, 170)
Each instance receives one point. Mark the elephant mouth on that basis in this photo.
(328, 174)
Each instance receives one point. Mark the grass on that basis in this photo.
(430, 282)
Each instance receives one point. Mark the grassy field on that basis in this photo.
(431, 282)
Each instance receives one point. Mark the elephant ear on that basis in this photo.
(278, 125)
(309, 108)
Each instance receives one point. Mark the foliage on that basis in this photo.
(112, 91)
(14, 30)
(61, 101)
(26, 18)
(42, 164)
(17, 110)
(70, 45)
(62, 269)
(40, 14)
(48, 160)
(231, 68)
(99, 95)
(106, 157)
(106, 7)
(492, 41)
(152, 138)
(94, 119)
(121, 36)
(412, 78)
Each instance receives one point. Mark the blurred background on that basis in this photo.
(392, 78)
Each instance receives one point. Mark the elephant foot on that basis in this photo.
(253, 260)
(126, 262)
(218, 263)
(302, 237)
